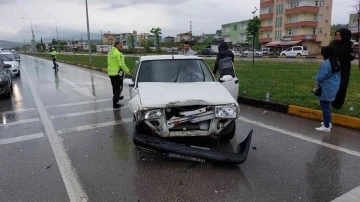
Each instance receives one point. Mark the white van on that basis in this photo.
(295, 51)
(267, 51)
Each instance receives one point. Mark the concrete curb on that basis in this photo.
(313, 114)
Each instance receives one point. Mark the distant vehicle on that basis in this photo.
(103, 48)
(295, 51)
(236, 53)
(207, 51)
(16, 55)
(267, 51)
(251, 52)
(8, 58)
(5, 80)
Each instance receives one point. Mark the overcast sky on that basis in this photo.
(116, 16)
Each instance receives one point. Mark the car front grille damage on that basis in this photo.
(189, 118)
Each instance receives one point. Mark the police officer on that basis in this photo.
(53, 55)
(116, 69)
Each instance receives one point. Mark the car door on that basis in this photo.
(228, 77)
(133, 88)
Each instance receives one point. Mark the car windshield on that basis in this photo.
(176, 70)
(7, 57)
(289, 49)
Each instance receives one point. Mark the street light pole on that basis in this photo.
(253, 36)
(88, 32)
(57, 35)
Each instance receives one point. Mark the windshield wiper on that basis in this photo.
(177, 76)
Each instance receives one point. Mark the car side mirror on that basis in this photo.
(226, 78)
(7, 66)
(128, 82)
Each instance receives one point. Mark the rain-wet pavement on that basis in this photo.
(288, 160)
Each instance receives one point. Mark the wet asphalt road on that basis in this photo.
(288, 160)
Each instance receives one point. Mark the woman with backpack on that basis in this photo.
(345, 54)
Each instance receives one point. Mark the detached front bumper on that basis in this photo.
(172, 149)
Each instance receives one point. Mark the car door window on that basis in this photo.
(297, 49)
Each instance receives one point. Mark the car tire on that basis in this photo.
(257, 54)
(8, 94)
(228, 132)
(246, 54)
(283, 54)
(18, 74)
(298, 54)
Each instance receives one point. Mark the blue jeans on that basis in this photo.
(326, 111)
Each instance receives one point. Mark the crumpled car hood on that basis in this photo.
(161, 95)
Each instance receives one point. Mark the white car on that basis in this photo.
(178, 96)
(236, 53)
(9, 58)
(251, 52)
(295, 51)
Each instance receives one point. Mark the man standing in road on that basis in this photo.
(53, 55)
(116, 69)
(187, 49)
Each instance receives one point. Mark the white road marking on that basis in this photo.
(351, 196)
(72, 184)
(85, 113)
(21, 138)
(82, 90)
(78, 103)
(106, 78)
(300, 136)
(20, 122)
(94, 126)
(17, 111)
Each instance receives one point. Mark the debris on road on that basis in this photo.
(48, 166)
(254, 148)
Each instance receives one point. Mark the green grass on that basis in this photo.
(287, 82)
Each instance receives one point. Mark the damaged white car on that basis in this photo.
(177, 96)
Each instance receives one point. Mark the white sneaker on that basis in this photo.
(322, 123)
(323, 129)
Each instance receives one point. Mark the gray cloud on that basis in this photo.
(3, 2)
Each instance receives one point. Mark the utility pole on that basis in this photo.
(101, 37)
(88, 32)
(57, 35)
(253, 44)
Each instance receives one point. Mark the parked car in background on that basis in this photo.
(267, 51)
(5, 80)
(8, 58)
(236, 53)
(251, 52)
(208, 51)
(295, 51)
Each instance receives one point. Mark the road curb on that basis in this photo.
(303, 112)
(313, 114)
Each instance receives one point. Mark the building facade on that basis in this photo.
(183, 36)
(235, 32)
(286, 23)
(109, 38)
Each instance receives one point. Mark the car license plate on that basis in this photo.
(180, 156)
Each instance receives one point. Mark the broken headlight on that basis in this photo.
(153, 114)
(227, 111)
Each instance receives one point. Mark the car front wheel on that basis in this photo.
(283, 54)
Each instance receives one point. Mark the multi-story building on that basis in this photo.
(109, 38)
(295, 22)
(183, 36)
(235, 32)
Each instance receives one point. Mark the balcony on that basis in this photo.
(302, 9)
(301, 24)
(266, 16)
(265, 40)
(303, 37)
(266, 28)
(264, 3)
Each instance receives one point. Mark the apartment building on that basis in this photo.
(287, 23)
(234, 32)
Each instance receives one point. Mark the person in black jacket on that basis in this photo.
(224, 52)
(345, 56)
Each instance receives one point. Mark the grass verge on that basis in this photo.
(287, 82)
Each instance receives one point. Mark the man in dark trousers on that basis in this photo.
(345, 54)
(224, 52)
(116, 69)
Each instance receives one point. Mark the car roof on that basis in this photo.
(167, 57)
(5, 52)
